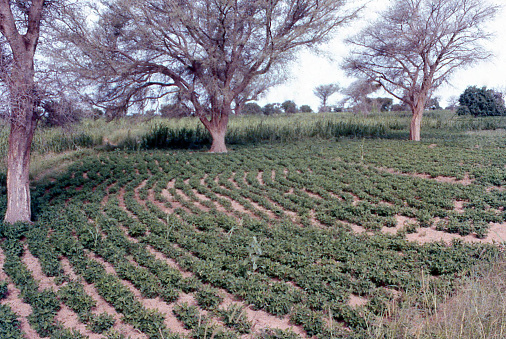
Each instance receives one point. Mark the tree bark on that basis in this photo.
(22, 95)
(217, 127)
(416, 123)
(18, 173)
(23, 121)
(218, 145)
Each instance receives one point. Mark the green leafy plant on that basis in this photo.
(101, 323)
(3, 290)
(234, 316)
(208, 297)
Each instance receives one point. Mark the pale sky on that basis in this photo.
(311, 70)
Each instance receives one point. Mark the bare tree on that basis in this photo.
(323, 92)
(357, 95)
(417, 44)
(20, 25)
(208, 51)
(259, 86)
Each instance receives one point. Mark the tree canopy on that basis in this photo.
(208, 52)
(417, 44)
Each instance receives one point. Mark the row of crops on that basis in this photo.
(215, 238)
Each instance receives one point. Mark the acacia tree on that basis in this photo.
(20, 24)
(323, 92)
(357, 95)
(209, 51)
(416, 45)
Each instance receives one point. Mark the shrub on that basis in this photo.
(277, 334)
(481, 102)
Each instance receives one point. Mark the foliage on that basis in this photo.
(306, 109)
(277, 334)
(481, 102)
(234, 316)
(289, 107)
(101, 323)
(272, 109)
(9, 324)
(252, 108)
(3, 290)
(270, 225)
(208, 298)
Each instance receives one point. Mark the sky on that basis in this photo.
(313, 69)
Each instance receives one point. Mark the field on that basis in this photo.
(308, 235)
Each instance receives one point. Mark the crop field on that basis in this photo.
(302, 240)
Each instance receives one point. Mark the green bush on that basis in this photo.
(481, 102)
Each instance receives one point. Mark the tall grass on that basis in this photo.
(477, 309)
(251, 130)
(135, 133)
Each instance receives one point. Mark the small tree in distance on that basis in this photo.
(416, 45)
(323, 92)
(251, 108)
(306, 109)
(289, 107)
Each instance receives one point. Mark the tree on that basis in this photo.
(416, 45)
(210, 52)
(272, 109)
(289, 107)
(20, 25)
(433, 104)
(357, 95)
(306, 109)
(252, 108)
(452, 103)
(175, 111)
(481, 102)
(323, 92)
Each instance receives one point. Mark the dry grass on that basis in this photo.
(43, 166)
(476, 310)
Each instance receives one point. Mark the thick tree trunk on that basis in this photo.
(22, 95)
(18, 171)
(416, 123)
(217, 127)
(218, 145)
(23, 121)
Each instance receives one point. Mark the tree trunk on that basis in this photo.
(18, 171)
(23, 121)
(217, 127)
(416, 123)
(19, 80)
(218, 145)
